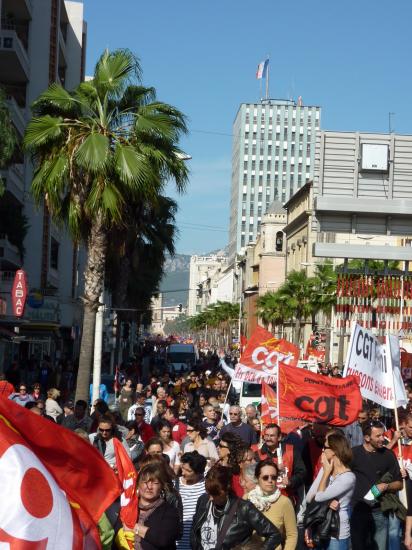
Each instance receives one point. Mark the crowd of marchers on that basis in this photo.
(212, 476)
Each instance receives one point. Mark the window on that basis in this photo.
(269, 166)
(285, 133)
(245, 165)
(254, 150)
(277, 150)
(54, 254)
(267, 178)
(244, 179)
(261, 165)
(260, 180)
(253, 165)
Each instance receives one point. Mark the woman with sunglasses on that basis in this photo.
(199, 442)
(21, 397)
(222, 520)
(231, 451)
(335, 482)
(277, 508)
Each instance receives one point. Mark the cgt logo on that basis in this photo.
(269, 360)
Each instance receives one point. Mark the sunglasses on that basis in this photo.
(190, 430)
(139, 414)
(104, 430)
(223, 446)
(269, 477)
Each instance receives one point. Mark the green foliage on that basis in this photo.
(219, 315)
(107, 143)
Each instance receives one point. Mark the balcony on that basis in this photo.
(13, 177)
(17, 115)
(9, 254)
(14, 61)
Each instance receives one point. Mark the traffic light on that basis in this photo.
(316, 339)
(180, 307)
(199, 291)
(279, 241)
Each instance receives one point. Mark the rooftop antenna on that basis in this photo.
(390, 121)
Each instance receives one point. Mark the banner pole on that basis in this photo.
(402, 493)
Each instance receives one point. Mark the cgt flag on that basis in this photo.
(127, 475)
(269, 405)
(259, 362)
(303, 394)
(54, 485)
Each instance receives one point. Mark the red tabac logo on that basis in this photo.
(19, 293)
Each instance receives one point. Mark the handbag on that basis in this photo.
(322, 521)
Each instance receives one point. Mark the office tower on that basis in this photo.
(273, 156)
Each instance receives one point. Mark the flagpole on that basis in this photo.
(267, 80)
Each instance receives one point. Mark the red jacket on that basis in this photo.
(6, 388)
(146, 431)
(179, 431)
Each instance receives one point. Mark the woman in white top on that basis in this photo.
(170, 448)
(335, 482)
(199, 442)
(191, 486)
(53, 409)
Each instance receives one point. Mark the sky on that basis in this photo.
(352, 57)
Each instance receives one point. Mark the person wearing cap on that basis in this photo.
(79, 419)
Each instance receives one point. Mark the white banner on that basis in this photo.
(374, 362)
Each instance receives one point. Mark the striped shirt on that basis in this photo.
(190, 495)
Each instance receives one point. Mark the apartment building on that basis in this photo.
(41, 41)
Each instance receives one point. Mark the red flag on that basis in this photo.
(303, 394)
(269, 405)
(55, 486)
(262, 356)
(127, 475)
(117, 387)
(270, 412)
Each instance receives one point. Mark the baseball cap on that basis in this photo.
(69, 405)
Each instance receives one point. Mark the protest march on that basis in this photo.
(239, 452)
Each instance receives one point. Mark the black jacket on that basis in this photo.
(246, 520)
(163, 524)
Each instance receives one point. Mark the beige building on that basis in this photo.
(263, 265)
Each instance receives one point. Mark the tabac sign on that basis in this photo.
(19, 293)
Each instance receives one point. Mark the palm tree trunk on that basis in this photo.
(93, 287)
(296, 339)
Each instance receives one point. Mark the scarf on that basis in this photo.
(261, 501)
(144, 513)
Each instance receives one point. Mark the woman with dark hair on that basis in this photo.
(154, 447)
(222, 520)
(199, 442)
(336, 482)
(170, 447)
(231, 451)
(158, 524)
(126, 398)
(277, 508)
(191, 487)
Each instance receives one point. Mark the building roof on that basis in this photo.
(301, 191)
(275, 207)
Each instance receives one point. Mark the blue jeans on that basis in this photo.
(335, 544)
(394, 533)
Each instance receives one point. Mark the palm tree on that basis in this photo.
(96, 148)
(295, 296)
(8, 136)
(272, 310)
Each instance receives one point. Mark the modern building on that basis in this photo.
(41, 42)
(273, 156)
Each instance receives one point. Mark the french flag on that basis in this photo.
(262, 69)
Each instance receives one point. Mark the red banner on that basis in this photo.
(270, 413)
(303, 394)
(262, 355)
(315, 352)
(19, 293)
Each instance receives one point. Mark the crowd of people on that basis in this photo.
(212, 476)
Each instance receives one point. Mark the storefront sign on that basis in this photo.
(48, 312)
(19, 293)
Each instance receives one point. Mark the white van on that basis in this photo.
(181, 358)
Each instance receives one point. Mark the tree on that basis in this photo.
(97, 149)
(8, 136)
(272, 310)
